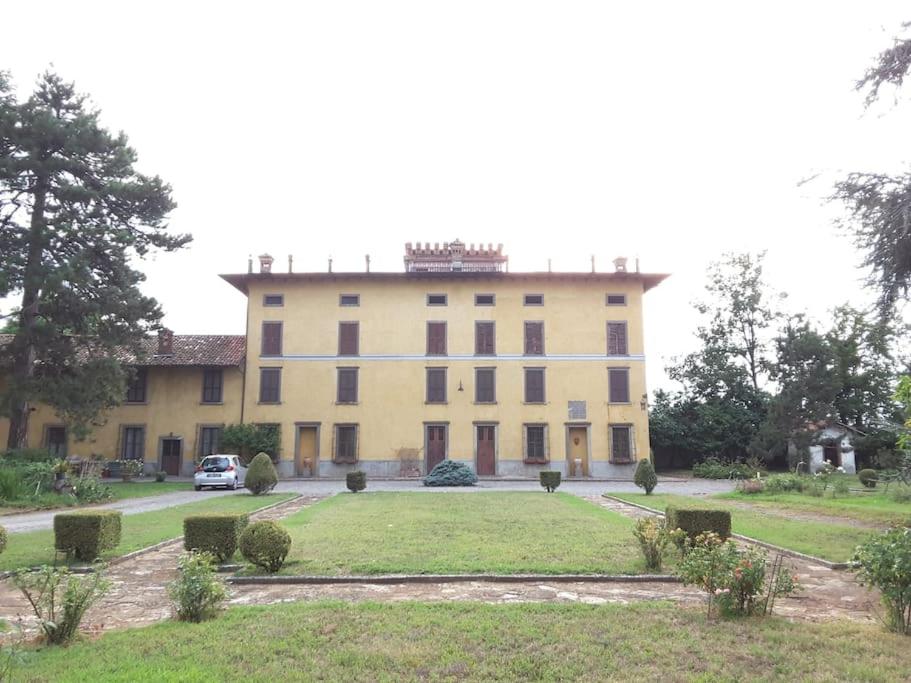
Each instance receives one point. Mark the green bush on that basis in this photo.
(653, 538)
(197, 592)
(695, 521)
(715, 468)
(451, 473)
(266, 545)
(750, 486)
(550, 479)
(885, 562)
(356, 481)
(261, 475)
(92, 490)
(59, 599)
(645, 477)
(161, 476)
(12, 484)
(217, 534)
(27, 456)
(87, 534)
(3, 539)
(786, 483)
(868, 478)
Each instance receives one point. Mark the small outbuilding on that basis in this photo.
(832, 442)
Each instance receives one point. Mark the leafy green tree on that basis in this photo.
(74, 214)
(246, 440)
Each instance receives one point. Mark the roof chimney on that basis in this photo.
(165, 342)
(265, 263)
(620, 264)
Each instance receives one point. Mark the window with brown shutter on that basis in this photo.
(348, 338)
(349, 300)
(534, 299)
(484, 300)
(209, 440)
(485, 383)
(270, 382)
(212, 381)
(484, 338)
(535, 443)
(436, 299)
(436, 338)
(621, 446)
(616, 339)
(347, 385)
(534, 385)
(436, 385)
(273, 299)
(272, 338)
(616, 300)
(132, 446)
(345, 444)
(136, 387)
(618, 385)
(534, 338)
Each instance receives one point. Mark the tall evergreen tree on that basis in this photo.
(74, 213)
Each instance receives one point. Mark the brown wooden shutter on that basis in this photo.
(618, 385)
(346, 443)
(534, 339)
(272, 339)
(485, 385)
(534, 443)
(347, 385)
(534, 385)
(436, 385)
(269, 385)
(621, 446)
(348, 338)
(484, 344)
(436, 339)
(617, 339)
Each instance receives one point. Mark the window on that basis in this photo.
(347, 385)
(349, 300)
(132, 445)
(273, 300)
(485, 385)
(436, 339)
(616, 299)
(534, 299)
(436, 385)
(535, 443)
(209, 440)
(345, 450)
(484, 336)
(270, 383)
(136, 387)
(534, 338)
(618, 385)
(621, 444)
(534, 385)
(272, 338)
(436, 299)
(55, 440)
(484, 300)
(212, 381)
(616, 339)
(348, 338)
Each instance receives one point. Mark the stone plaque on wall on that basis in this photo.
(577, 410)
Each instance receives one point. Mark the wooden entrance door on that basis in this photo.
(487, 463)
(306, 452)
(436, 445)
(56, 441)
(170, 456)
(578, 451)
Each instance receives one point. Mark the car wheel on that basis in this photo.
(198, 488)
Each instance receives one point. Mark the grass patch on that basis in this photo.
(139, 531)
(412, 641)
(833, 542)
(144, 489)
(875, 507)
(119, 491)
(460, 533)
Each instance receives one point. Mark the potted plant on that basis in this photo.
(60, 468)
(129, 469)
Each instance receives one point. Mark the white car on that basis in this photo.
(219, 470)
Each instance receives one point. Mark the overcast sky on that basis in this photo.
(665, 130)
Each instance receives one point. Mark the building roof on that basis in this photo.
(189, 350)
(241, 280)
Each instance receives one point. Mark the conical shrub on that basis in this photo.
(645, 476)
(261, 475)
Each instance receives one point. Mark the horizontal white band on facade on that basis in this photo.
(480, 359)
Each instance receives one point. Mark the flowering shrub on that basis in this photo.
(732, 578)
(129, 468)
(885, 562)
(197, 592)
(751, 486)
(653, 538)
(824, 474)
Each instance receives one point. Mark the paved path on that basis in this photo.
(33, 521)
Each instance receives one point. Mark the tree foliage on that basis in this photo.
(74, 214)
(246, 440)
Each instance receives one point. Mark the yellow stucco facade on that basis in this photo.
(393, 421)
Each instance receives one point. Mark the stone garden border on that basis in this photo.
(454, 578)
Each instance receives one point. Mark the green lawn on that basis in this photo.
(139, 531)
(834, 542)
(335, 641)
(460, 533)
(120, 491)
(876, 507)
(144, 489)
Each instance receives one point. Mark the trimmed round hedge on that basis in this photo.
(261, 475)
(868, 478)
(265, 544)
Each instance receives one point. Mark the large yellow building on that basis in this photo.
(391, 373)
(454, 358)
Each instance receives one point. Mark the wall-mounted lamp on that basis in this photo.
(461, 388)
(644, 402)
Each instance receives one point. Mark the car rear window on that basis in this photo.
(215, 464)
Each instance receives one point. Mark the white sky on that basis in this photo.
(672, 131)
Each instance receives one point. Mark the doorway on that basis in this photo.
(55, 440)
(577, 451)
(306, 459)
(435, 444)
(832, 453)
(170, 456)
(486, 465)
